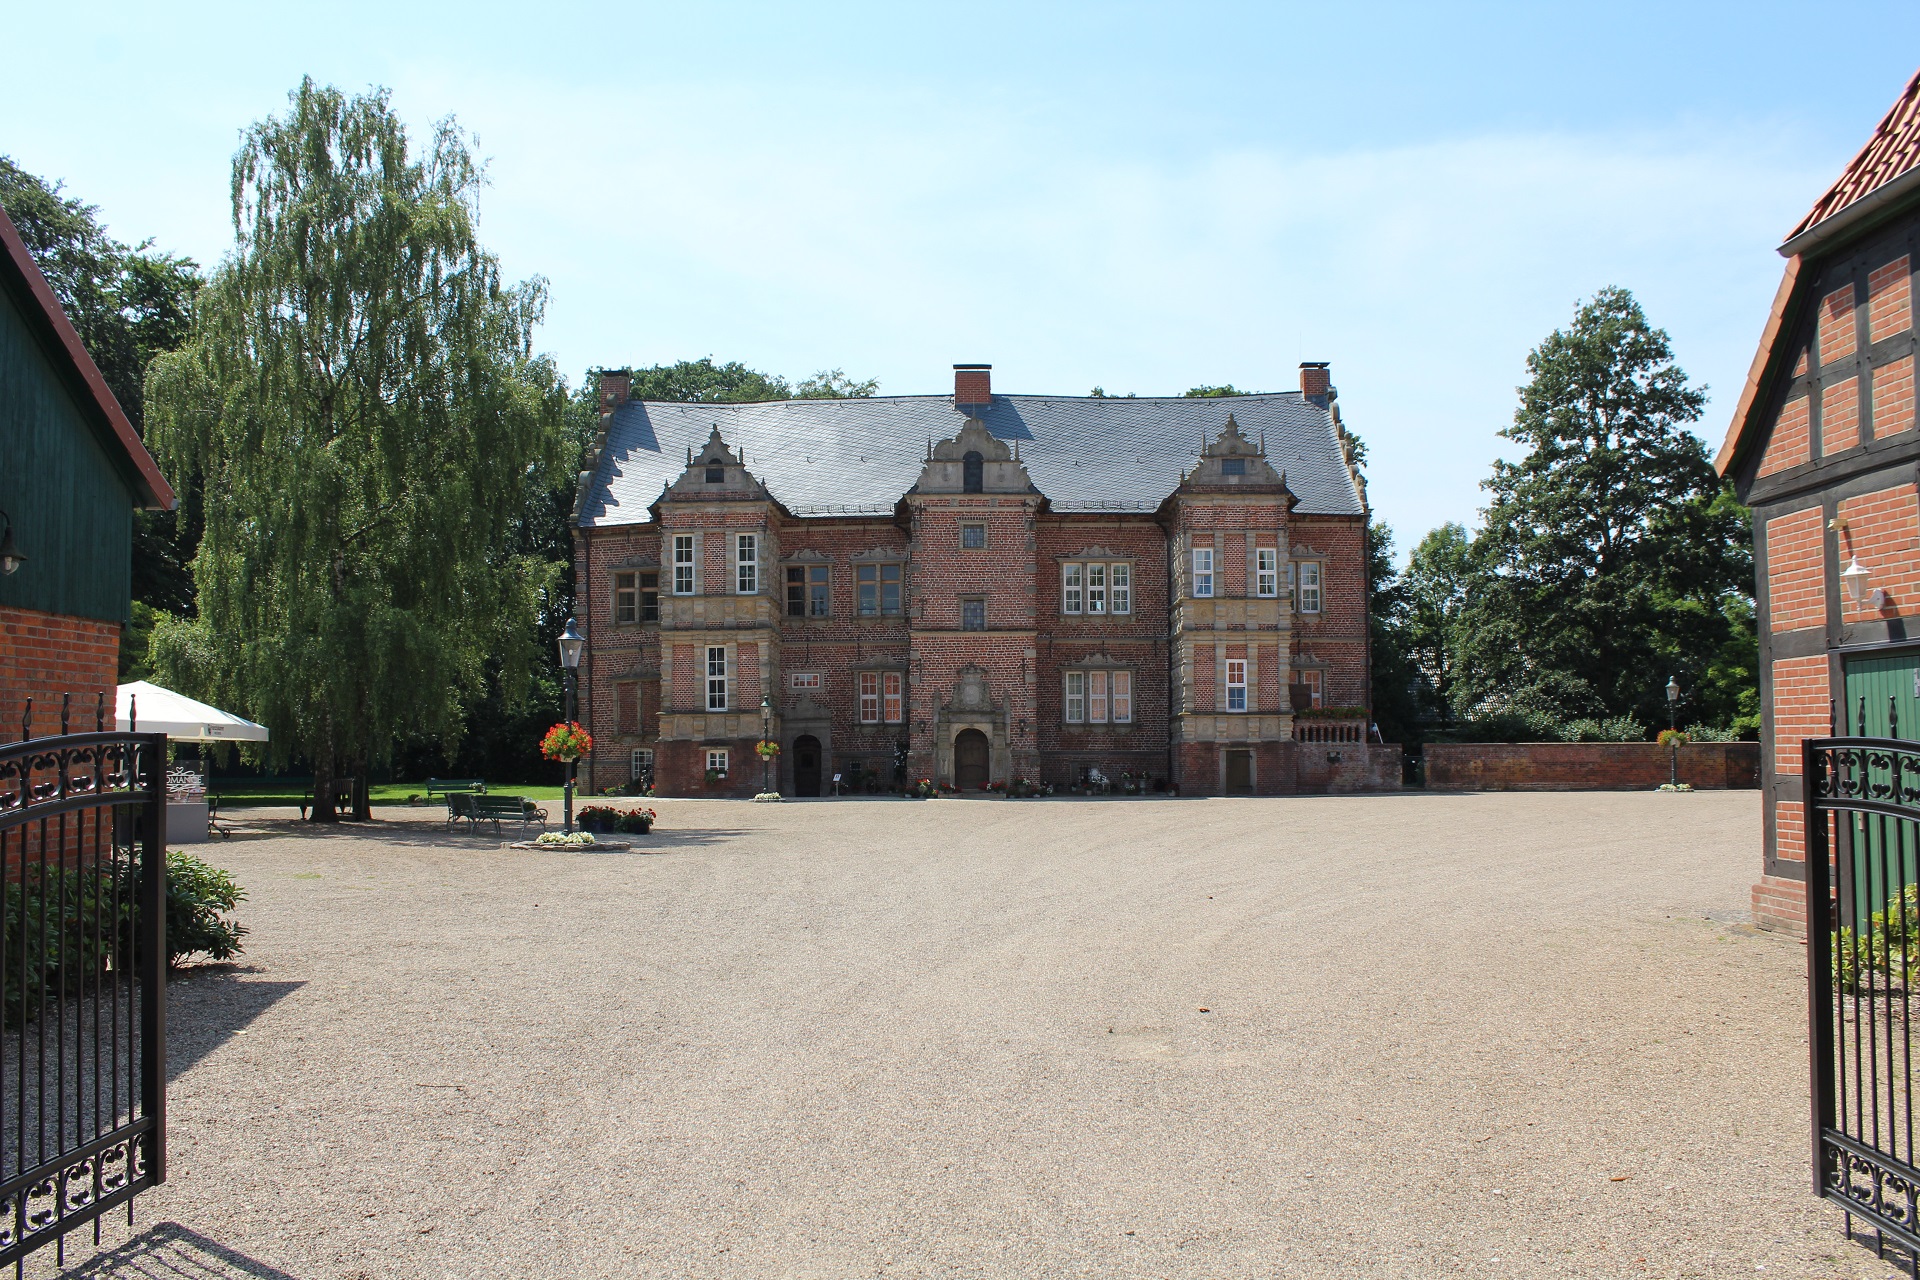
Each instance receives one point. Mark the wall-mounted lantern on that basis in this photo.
(10, 557)
(1857, 577)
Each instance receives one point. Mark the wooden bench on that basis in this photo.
(449, 786)
(496, 809)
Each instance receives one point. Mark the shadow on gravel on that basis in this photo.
(432, 834)
(169, 1251)
(210, 1004)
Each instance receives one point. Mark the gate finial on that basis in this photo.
(66, 712)
(100, 712)
(1893, 718)
(26, 720)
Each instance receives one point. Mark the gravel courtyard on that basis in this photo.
(1417, 1035)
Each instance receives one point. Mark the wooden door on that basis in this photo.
(806, 765)
(1239, 773)
(1882, 701)
(970, 760)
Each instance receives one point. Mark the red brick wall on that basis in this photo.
(1588, 766)
(1796, 571)
(1893, 397)
(1338, 635)
(1890, 300)
(1883, 530)
(1787, 446)
(1780, 903)
(44, 656)
(1801, 709)
(1839, 416)
(1838, 339)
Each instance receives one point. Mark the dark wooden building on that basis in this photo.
(72, 473)
(1823, 447)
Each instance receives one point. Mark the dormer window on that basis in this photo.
(972, 472)
(1233, 466)
(716, 473)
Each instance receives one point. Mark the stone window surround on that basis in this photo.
(1108, 668)
(880, 671)
(1109, 560)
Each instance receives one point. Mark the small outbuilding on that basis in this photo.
(72, 473)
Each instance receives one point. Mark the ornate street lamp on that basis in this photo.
(1673, 744)
(572, 644)
(766, 761)
(10, 557)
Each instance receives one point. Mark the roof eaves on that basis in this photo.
(156, 493)
(1758, 373)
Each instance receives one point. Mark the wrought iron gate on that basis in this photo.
(82, 981)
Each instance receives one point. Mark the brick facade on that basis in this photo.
(989, 656)
(1589, 766)
(46, 656)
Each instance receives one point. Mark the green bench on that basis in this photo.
(477, 808)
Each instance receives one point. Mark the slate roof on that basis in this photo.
(836, 457)
(1893, 149)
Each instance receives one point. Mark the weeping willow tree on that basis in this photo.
(361, 396)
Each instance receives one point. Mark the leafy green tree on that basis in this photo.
(1438, 577)
(834, 384)
(1204, 392)
(1610, 552)
(704, 382)
(128, 304)
(361, 394)
(1397, 703)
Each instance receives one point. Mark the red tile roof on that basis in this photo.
(64, 343)
(1893, 149)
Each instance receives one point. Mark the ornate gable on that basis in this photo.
(974, 461)
(1233, 461)
(716, 473)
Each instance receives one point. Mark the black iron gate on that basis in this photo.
(82, 981)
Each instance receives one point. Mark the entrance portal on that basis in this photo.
(806, 765)
(1239, 773)
(970, 760)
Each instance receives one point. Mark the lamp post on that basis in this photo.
(766, 761)
(572, 644)
(10, 557)
(1673, 744)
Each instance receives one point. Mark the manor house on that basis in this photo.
(977, 589)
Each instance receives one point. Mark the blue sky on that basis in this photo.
(1142, 197)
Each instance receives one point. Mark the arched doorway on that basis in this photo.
(970, 760)
(806, 765)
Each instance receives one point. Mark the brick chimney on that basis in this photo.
(973, 384)
(1315, 381)
(615, 386)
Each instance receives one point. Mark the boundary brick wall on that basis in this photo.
(1588, 766)
(46, 655)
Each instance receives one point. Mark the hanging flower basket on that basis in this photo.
(566, 742)
(766, 748)
(1671, 738)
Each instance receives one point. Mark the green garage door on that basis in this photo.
(1883, 701)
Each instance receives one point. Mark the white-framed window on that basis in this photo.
(1311, 678)
(973, 536)
(892, 701)
(804, 680)
(1099, 697)
(747, 561)
(716, 677)
(879, 589)
(1309, 586)
(626, 597)
(869, 697)
(1202, 572)
(1236, 684)
(683, 564)
(1094, 588)
(717, 760)
(1266, 571)
(640, 764)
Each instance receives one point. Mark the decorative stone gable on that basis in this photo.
(716, 473)
(970, 692)
(1234, 462)
(974, 461)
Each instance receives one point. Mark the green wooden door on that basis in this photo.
(1883, 701)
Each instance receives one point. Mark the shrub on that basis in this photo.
(562, 839)
(1703, 733)
(198, 896)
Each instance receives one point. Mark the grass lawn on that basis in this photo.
(249, 793)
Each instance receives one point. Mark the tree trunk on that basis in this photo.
(362, 807)
(322, 810)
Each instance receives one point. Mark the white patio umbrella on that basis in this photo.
(180, 717)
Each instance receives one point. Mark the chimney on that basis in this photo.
(615, 386)
(1315, 381)
(972, 384)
